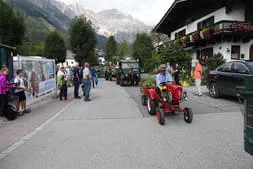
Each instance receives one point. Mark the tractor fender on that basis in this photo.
(152, 94)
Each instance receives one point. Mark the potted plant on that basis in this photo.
(195, 36)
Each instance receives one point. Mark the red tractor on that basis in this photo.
(167, 99)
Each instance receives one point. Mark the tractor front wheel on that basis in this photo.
(188, 115)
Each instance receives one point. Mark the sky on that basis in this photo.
(148, 11)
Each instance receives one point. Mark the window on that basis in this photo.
(130, 65)
(235, 52)
(238, 67)
(180, 34)
(206, 23)
(176, 35)
(204, 54)
(225, 68)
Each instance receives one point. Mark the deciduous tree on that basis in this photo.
(123, 48)
(55, 47)
(83, 41)
(175, 53)
(110, 48)
(12, 27)
(142, 49)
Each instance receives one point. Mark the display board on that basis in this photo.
(38, 74)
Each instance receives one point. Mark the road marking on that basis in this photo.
(32, 133)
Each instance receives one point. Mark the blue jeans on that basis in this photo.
(76, 87)
(87, 86)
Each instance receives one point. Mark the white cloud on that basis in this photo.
(148, 11)
(151, 12)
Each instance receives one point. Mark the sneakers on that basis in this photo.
(26, 111)
(196, 94)
(21, 113)
(87, 100)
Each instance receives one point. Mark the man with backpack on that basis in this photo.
(19, 91)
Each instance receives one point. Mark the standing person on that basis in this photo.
(86, 82)
(168, 72)
(4, 88)
(20, 88)
(132, 77)
(68, 73)
(197, 75)
(62, 83)
(93, 72)
(76, 78)
(176, 74)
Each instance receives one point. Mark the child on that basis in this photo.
(19, 91)
(95, 79)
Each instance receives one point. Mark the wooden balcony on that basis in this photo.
(219, 31)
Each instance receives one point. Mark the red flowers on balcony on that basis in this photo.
(194, 37)
(242, 27)
(206, 33)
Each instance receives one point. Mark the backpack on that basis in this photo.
(11, 113)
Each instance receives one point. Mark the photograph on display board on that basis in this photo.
(38, 75)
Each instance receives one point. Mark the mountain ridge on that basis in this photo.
(109, 22)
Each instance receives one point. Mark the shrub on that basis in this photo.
(215, 61)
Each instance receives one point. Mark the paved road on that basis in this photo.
(199, 105)
(111, 132)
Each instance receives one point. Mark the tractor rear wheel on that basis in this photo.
(151, 105)
(160, 116)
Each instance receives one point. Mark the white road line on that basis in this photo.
(32, 133)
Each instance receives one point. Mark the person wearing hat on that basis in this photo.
(163, 77)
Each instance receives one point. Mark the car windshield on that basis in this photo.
(130, 65)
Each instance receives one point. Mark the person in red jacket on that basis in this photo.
(198, 76)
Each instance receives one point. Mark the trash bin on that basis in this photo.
(246, 92)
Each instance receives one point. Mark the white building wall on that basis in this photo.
(225, 49)
(69, 62)
(237, 14)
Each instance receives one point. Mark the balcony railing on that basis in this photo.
(217, 29)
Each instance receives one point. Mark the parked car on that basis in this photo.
(225, 79)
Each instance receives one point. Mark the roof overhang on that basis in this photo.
(6, 46)
(183, 12)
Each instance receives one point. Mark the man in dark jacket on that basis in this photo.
(76, 79)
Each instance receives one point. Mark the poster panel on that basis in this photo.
(38, 74)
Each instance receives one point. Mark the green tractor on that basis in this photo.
(128, 73)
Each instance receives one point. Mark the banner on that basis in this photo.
(38, 74)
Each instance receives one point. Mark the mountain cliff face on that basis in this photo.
(56, 15)
(107, 22)
(43, 9)
(116, 23)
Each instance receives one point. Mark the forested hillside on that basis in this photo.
(40, 18)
